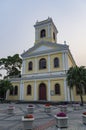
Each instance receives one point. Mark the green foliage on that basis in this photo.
(76, 76)
(12, 64)
(4, 86)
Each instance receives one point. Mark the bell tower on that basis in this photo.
(45, 31)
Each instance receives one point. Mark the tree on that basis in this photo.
(76, 76)
(12, 64)
(4, 86)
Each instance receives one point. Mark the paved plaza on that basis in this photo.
(43, 120)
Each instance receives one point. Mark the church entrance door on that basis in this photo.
(42, 91)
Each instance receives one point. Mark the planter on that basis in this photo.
(61, 122)
(27, 123)
(47, 109)
(84, 119)
(30, 109)
(63, 109)
(76, 106)
(11, 110)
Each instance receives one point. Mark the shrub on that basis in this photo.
(30, 105)
(61, 114)
(28, 116)
(84, 113)
(47, 105)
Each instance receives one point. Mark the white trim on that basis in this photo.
(63, 60)
(66, 68)
(65, 90)
(59, 73)
(49, 53)
(35, 91)
(23, 67)
(49, 30)
(48, 63)
(35, 65)
(66, 61)
(36, 34)
(48, 91)
(21, 90)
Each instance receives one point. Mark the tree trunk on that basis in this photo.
(70, 97)
(81, 97)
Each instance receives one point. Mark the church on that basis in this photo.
(44, 68)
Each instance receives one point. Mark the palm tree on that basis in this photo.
(76, 76)
(4, 86)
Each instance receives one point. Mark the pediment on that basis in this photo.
(42, 48)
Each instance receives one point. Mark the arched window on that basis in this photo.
(57, 88)
(29, 90)
(11, 91)
(30, 65)
(43, 33)
(56, 62)
(53, 35)
(42, 63)
(15, 90)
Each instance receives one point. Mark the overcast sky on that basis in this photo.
(17, 19)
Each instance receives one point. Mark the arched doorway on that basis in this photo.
(42, 91)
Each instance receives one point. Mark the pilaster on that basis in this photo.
(35, 91)
(48, 63)
(21, 90)
(48, 91)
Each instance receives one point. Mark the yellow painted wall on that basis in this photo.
(26, 67)
(15, 97)
(44, 38)
(52, 56)
(70, 62)
(52, 82)
(29, 97)
(56, 97)
(52, 69)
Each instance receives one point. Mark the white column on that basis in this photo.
(35, 91)
(35, 65)
(21, 90)
(66, 68)
(49, 96)
(36, 34)
(63, 60)
(65, 89)
(48, 30)
(23, 67)
(48, 63)
(66, 61)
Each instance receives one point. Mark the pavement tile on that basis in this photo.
(43, 120)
